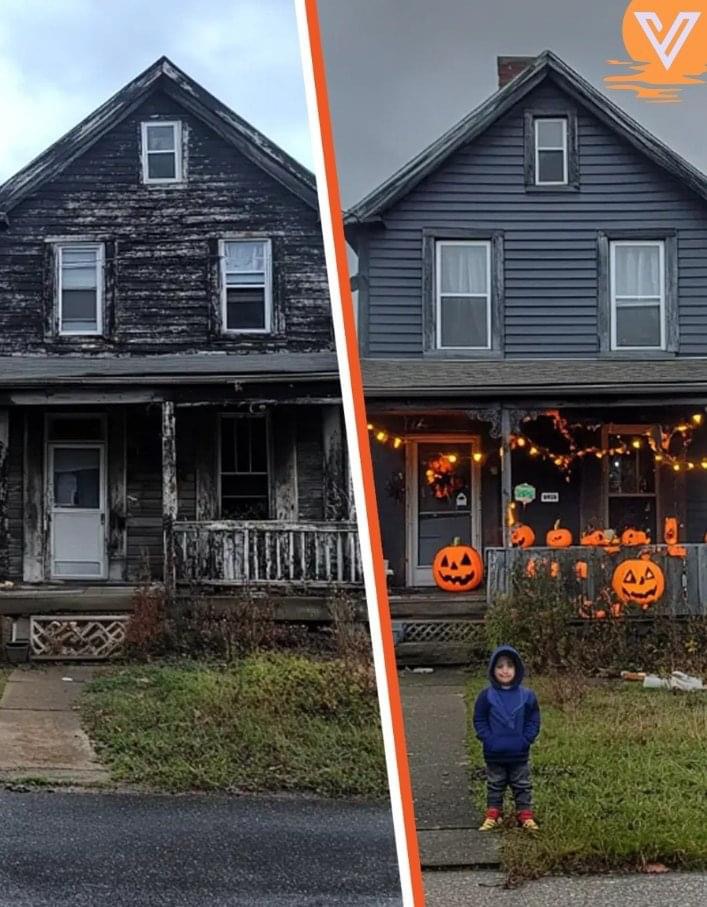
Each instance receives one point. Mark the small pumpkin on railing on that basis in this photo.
(557, 537)
(595, 537)
(633, 537)
(458, 568)
(522, 536)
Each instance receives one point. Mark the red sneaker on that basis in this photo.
(492, 819)
(526, 820)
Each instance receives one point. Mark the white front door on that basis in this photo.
(443, 500)
(77, 510)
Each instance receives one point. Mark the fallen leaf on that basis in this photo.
(655, 868)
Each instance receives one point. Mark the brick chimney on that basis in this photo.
(510, 67)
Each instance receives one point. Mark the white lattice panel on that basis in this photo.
(76, 636)
(440, 631)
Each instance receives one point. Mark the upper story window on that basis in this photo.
(162, 151)
(637, 285)
(246, 286)
(463, 294)
(79, 285)
(551, 165)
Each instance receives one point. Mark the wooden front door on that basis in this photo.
(443, 494)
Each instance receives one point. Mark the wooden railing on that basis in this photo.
(685, 578)
(229, 552)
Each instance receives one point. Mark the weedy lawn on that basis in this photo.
(620, 775)
(270, 722)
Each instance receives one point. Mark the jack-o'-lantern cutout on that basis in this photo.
(531, 568)
(634, 537)
(522, 536)
(458, 568)
(670, 530)
(558, 538)
(595, 537)
(581, 570)
(638, 580)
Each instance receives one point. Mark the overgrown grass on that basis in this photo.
(620, 775)
(270, 722)
(4, 674)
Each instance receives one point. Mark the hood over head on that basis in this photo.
(517, 660)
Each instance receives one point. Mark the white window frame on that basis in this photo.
(439, 245)
(538, 149)
(59, 250)
(177, 133)
(267, 284)
(224, 417)
(613, 245)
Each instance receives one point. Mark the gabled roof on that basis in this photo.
(479, 120)
(165, 76)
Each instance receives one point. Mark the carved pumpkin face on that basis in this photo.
(634, 537)
(638, 580)
(522, 536)
(670, 530)
(596, 537)
(458, 568)
(558, 538)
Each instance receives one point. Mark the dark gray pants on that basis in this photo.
(517, 776)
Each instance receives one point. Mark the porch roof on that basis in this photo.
(184, 368)
(409, 378)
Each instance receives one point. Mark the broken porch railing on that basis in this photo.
(236, 552)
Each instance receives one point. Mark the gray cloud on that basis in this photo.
(60, 60)
(402, 71)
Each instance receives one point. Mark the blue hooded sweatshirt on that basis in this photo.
(506, 721)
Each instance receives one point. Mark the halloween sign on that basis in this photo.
(638, 580)
(458, 568)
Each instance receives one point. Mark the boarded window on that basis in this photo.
(551, 151)
(463, 297)
(637, 295)
(80, 288)
(247, 302)
(244, 468)
(161, 152)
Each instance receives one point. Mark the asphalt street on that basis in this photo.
(462, 889)
(68, 849)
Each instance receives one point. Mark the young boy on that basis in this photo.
(507, 721)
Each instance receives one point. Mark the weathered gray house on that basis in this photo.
(169, 397)
(533, 312)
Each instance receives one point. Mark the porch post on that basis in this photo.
(169, 493)
(4, 522)
(336, 491)
(506, 477)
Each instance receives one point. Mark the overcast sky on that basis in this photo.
(60, 59)
(400, 72)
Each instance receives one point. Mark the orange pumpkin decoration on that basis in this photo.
(522, 536)
(458, 568)
(596, 537)
(581, 569)
(634, 537)
(638, 580)
(531, 568)
(558, 538)
(677, 551)
(670, 530)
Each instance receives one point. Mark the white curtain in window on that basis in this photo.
(637, 271)
(463, 269)
(245, 256)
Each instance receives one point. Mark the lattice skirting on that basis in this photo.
(439, 631)
(72, 636)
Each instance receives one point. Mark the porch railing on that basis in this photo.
(685, 578)
(231, 552)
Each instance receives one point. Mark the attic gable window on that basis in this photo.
(162, 152)
(551, 150)
(246, 286)
(80, 288)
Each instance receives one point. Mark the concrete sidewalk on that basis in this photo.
(435, 725)
(40, 731)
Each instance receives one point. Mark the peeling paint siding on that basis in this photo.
(164, 272)
(14, 492)
(310, 464)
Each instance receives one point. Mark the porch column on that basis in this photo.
(33, 534)
(284, 463)
(506, 476)
(4, 521)
(336, 486)
(169, 493)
